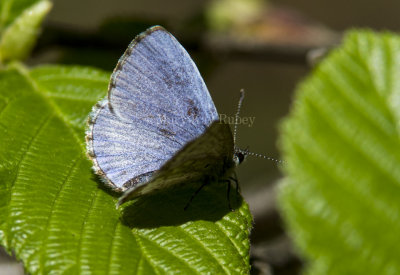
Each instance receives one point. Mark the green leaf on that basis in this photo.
(340, 196)
(58, 218)
(20, 22)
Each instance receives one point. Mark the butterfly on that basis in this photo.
(158, 126)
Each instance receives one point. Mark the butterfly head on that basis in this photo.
(239, 155)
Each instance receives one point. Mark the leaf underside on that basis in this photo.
(57, 217)
(340, 196)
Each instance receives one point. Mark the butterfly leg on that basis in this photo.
(237, 186)
(227, 195)
(195, 193)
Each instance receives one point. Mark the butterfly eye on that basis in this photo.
(238, 158)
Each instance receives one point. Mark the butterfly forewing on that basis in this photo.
(157, 103)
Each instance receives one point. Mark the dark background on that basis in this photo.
(96, 33)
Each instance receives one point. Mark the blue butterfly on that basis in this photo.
(158, 126)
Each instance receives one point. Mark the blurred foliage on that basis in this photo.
(101, 48)
(20, 22)
(11, 9)
(340, 195)
(259, 28)
(223, 15)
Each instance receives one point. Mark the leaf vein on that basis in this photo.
(142, 249)
(90, 209)
(205, 248)
(24, 154)
(57, 77)
(63, 96)
(138, 264)
(110, 254)
(233, 243)
(45, 239)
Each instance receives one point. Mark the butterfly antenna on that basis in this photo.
(246, 152)
(265, 157)
(237, 115)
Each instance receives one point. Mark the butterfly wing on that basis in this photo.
(157, 102)
(206, 158)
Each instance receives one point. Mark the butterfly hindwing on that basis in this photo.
(208, 157)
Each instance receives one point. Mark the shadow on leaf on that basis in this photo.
(166, 207)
